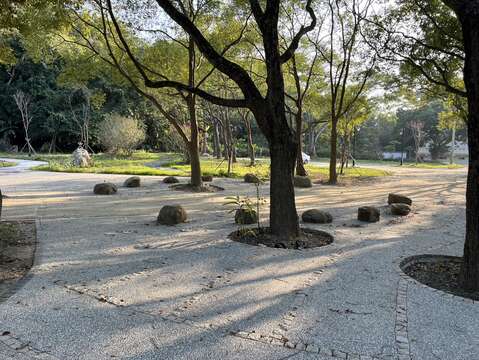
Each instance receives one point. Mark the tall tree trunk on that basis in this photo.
(204, 142)
(283, 216)
(250, 141)
(216, 140)
(343, 156)
(453, 145)
(284, 220)
(300, 170)
(311, 142)
(333, 175)
(193, 146)
(470, 28)
(231, 151)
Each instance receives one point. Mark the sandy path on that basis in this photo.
(109, 283)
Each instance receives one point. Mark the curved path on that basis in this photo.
(21, 165)
(109, 283)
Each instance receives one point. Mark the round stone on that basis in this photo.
(369, 214)
(133, 181)
(251, 178)
(302, 182)
(171, 180)
(171, 215)
(400, 209)
(399, 199)
(105, 189)
(317, 216)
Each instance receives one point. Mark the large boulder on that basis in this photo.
(251, 178)
(369, 214)
(105, 189)
(171, 180)
(400, 209)
(207, 178)
(133, 181)
(246, 216)
(81, 158)
(171, 215)
(317, 216)
(399, 199)
(302, 182)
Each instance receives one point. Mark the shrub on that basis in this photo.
(121, 135)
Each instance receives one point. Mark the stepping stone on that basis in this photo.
(317, 216)
(133, 181)
(171, 215)
(171, 180)
(302, 182)
(400, 209)
(399, 199)
(207, 178)
(369, 214)
(251, 178)
(105, 189)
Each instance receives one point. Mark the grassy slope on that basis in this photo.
(7, 163)
(171, 165)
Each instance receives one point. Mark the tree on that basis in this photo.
(348, 126)
(245, 117)
(467, 12)
(268, 109)
(23, 102)
(304, 71)
(452, 118)
(121, 135)
(340, 54)
(417, 130)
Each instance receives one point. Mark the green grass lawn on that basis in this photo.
(140, 163)
(7, 163)
(107, 164)
(430, 165)
(219, 168)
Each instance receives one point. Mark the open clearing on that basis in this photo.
(109, 283)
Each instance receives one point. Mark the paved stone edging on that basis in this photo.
(81, 290)
(209, 286)
(401, 327)
(307, 347)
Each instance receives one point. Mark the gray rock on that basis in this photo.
(105, 189)
(246, 216)
(369, 214)
(302, 182)
(398, 199)
(171, 215)
(251, 178)
(171, 180)
(317, 216)
(207, 178)
(400, 209)
(133, 181)
(81, 158)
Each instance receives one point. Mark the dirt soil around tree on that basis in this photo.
(309, 238)
(439, 272)
(17, 248)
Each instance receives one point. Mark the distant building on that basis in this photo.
(461, 151)
(396, 155)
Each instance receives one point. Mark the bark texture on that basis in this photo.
(470, 25)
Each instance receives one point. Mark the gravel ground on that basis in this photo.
(109, 283)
